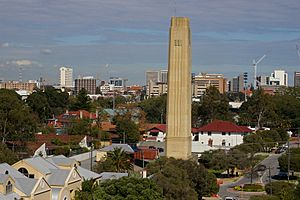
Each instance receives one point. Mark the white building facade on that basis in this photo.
(66, 77)
(218, 135)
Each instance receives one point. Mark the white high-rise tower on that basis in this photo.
(66, 77)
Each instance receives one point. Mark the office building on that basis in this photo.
(17, 85)
(88, 83)
(152, 76)
(66, 77)
(297, 79)
(281, 76)
(202, 81)
(163, 76)
(178, 141)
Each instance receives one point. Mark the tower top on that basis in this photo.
(180, 21)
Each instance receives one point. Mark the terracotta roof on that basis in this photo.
(224, 126)
(160, 127)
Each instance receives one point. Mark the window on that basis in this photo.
(8, 187)
(23, 171)
(223, 133)
(201, 132)
(209, 133)
(196, 138)
(31, 176)
(210, 142)
(229, 133)
(178, 42)
(223, 143)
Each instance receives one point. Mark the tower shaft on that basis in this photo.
(178, 141)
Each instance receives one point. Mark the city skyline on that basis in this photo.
(132, 36)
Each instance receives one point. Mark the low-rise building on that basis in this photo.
(218, 135)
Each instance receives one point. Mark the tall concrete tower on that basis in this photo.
(178, 141)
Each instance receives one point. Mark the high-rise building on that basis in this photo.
(163, 76)
(281, 76)
(152, 76)
(202, 81)
(66, 77)
(178, 140)
(297, 79)
(88, 83)
(238, 83)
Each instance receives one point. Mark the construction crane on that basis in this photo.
(298, 50)
(255, 63)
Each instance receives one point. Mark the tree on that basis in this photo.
(294, 161)
(38, 102)
(16, 121)
(214, 106)
(264, 197)
(7, 156)
(258, 110)
(116, 161)
(121, 189)
(82, 101)
(125, 127)
(57, 100)
(194, 176)
(155, 109)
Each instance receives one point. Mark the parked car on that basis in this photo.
(280, 150)
(231, 198)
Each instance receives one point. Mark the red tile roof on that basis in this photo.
(224, 126)
(160, 127)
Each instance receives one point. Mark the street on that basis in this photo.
(271, 161)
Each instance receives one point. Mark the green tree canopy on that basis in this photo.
(155, 109)
(82, 101)
(195, 180)
(116, 161)
(38, 102)
(121, 189)
(7, 156)
(213, 105)
(16, 121)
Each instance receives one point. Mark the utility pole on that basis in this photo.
(92, 145)
(271, 190)
(289, 160)
(124, 138)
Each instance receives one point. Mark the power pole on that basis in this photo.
(92, 145)
(271, 190)
(289, 160)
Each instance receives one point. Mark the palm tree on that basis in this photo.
(120, 160)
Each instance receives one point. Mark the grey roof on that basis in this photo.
(58, 176)
(124, 147)
(11, 171)
(112, 175)
(3, 178)
(87, 174)
(22, 182)
(26, 185)
(61, 160)
(41, 164)
(109, 111)
(9, 196)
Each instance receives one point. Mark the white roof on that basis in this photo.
(125, 147)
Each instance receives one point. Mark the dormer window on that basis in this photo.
(8, 188)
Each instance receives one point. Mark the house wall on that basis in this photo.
(159, 138)
(202, 145)
(31, 170)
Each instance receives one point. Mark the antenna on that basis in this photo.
(175, 8)
(20, 74)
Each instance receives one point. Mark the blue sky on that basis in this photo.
(132, 36)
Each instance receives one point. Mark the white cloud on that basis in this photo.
(22, 62)
(46, 51)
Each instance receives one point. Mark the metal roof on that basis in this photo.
(125, 147)
(112, 175)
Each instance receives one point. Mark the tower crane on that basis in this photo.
(298, 50)
(255, 63)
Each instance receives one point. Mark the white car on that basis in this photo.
(231, 198)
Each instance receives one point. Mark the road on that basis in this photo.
(271, 161)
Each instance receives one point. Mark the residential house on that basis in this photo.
(63, 181)
(218, 135)
(15, 185)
